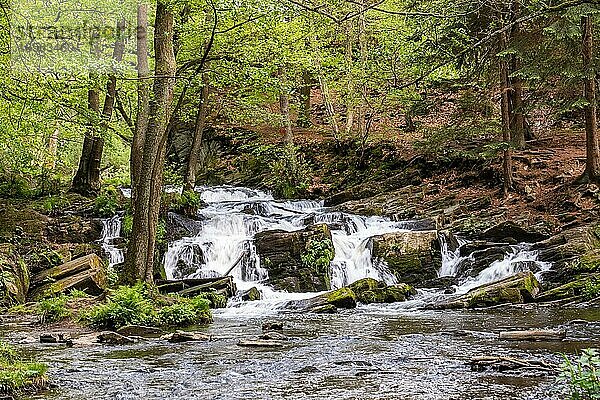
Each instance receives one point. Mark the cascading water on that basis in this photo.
(111, 230)
(227, 226)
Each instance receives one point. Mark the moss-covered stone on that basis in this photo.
(583, 286)
(411, 256)
(369, 290)
(342, 298)
(14, 277)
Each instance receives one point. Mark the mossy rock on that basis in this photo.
(342, 298)
(369, 290)
(14, 277)
(583, 286)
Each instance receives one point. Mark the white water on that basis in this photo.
(111, 230)
(226, 230)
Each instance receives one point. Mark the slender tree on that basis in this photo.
(139, 264)
(201, 116)
(592, 164)
(504, 107)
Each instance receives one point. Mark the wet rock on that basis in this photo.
(114, 338)
(517, 289)
(179, 226)
(74, 229)
(140, 331)
(369, 291)
(326, 302)
(253, 294)
(413, 257)
(56, 338)
(290, 259)
(572, 290)
(273, 335)
(511, 230)
(272, 326)
(260, 343)
(480, 260)
(182, 336)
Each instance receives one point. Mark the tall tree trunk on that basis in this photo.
(87, 179)
(140, 262)
(504, 106)
(592, 164)
(304, 114)
(192, 164)
(143, 88)
(518, 118)
(83, 182)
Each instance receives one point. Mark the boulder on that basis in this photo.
(326, 302)
(581, 287)
(178, 226)
(369, 291)
(272, 326)
(507, 230)
(297, 261)
(252, 294)
(412, 257)
(86, 273)
(480, 260)
(517, 289)
(109, 337)
(14, 277)
(183, 336)
(273, 335)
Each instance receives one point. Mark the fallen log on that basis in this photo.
(91, 261)
(501, 364)
(533, 335)
(91, 281)
(260, 343)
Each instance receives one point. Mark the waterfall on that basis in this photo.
(233, 216)
(111, 231)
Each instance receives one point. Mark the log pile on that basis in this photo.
(86, 273)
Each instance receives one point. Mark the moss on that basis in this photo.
(588, 286)
(18, 375)
(342, 298)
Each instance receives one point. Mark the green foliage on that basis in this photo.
(582, 376)
(591, 290)
(18, 375)
(318, 254)
(107, 203)
(136, 305)
(126, 305)
(15, 187)
(52, 205)
(186, 312)
(127, 225)
(53, 309)
(216, 300)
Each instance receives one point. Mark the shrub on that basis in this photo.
(186, 312)
(17, 375)
(127, 225)
(125, 306)
(107, 203)
(53, 309)
(591, 290)
(216, 300)
(318, 254)
(582, 376)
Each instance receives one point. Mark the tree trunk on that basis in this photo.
(332, 116)
(83, 182)
(518, 118)
(504, 106)
(87, 179)
(349, 82)
(192, 164)
(139, 263)
(304, 115)
(143, 89)
(592, 165)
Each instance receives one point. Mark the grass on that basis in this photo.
(582, 376)
(18, 375)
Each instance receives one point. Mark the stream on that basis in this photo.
(393, 351)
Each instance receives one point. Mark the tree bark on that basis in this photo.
(504, 107)
(192, 164)
(592, 165)
(518, 117)
(87, 179)
(141, 123)
(139, 263)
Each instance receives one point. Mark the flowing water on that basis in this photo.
(373, 352)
